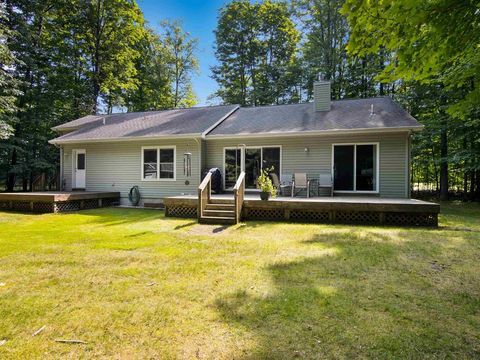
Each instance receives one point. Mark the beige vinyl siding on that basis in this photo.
(116, 166)
(393, 175)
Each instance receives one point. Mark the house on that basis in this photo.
(364, 144)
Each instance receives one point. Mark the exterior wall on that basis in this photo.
(116, 166)
(393, 162)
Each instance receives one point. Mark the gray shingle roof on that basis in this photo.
(192, 121)
(277, 119)
(344, 115)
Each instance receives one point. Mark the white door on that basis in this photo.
(79, 165)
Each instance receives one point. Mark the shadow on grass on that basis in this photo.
(121, 216)
(181, 226)
(369, 300)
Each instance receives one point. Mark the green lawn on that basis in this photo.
(133, 284)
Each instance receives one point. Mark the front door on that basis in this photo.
(79, 165)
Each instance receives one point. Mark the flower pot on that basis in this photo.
(264, 195)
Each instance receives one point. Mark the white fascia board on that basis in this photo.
(318, 133)
(129, 138)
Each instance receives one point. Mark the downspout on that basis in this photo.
(199, 159)
(60, 180)
(409, 163)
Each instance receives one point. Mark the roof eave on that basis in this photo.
(320, 132)
(59, 141)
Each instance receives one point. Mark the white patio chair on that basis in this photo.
(299, 183)
(325, 181)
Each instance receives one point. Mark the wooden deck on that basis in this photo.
(56, 201)
(341, 209)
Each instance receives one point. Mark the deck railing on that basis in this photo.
(239, 195)
(204, 194)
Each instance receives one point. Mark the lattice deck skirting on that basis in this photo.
(321, 216)
(56, 206)
(181, 211)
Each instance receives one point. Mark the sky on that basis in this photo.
(199, 18)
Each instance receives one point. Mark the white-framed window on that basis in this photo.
(356, 167)
(252, 160)
(158, 163)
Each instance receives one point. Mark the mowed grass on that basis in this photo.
(134, 284)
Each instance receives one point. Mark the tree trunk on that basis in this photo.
(443, 163)
(477, 185)
(472, 184)
(11, 178)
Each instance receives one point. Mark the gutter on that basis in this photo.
(58, 141)
(319, 132)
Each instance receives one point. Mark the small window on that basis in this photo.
(81, 161)
(166, 163)
(150, 167)
(158, 163)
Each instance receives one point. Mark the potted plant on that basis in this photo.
(265, 185)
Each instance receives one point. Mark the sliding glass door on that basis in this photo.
(254, 160)
(232, 167)
(343, 158)
(253, 166)
(355, 167)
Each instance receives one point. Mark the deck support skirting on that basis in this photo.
(45, 202)
(335, 212)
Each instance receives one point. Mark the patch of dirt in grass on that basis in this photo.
(203, 229)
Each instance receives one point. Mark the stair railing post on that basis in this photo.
(204, 194)
(238, 193)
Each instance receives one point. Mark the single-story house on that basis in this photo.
(363, 144)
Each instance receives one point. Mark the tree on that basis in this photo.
(256, 46)
(154, 76)
(9, 85)
(110, 29)
(432, 42)
(182, 62)
(66, 50)
(326, 34)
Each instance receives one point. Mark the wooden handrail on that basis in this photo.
(239, 196)
(204, 193)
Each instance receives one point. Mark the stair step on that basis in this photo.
(216, 220)
(220, 213)
(230, 207)
(221, 201)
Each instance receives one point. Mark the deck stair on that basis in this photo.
(220, 211)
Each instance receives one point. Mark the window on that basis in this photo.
(254, 160)
(80, 161)
(233, 160)
(158, 163)
(271, 159)
(167, 163)
(355, 167)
